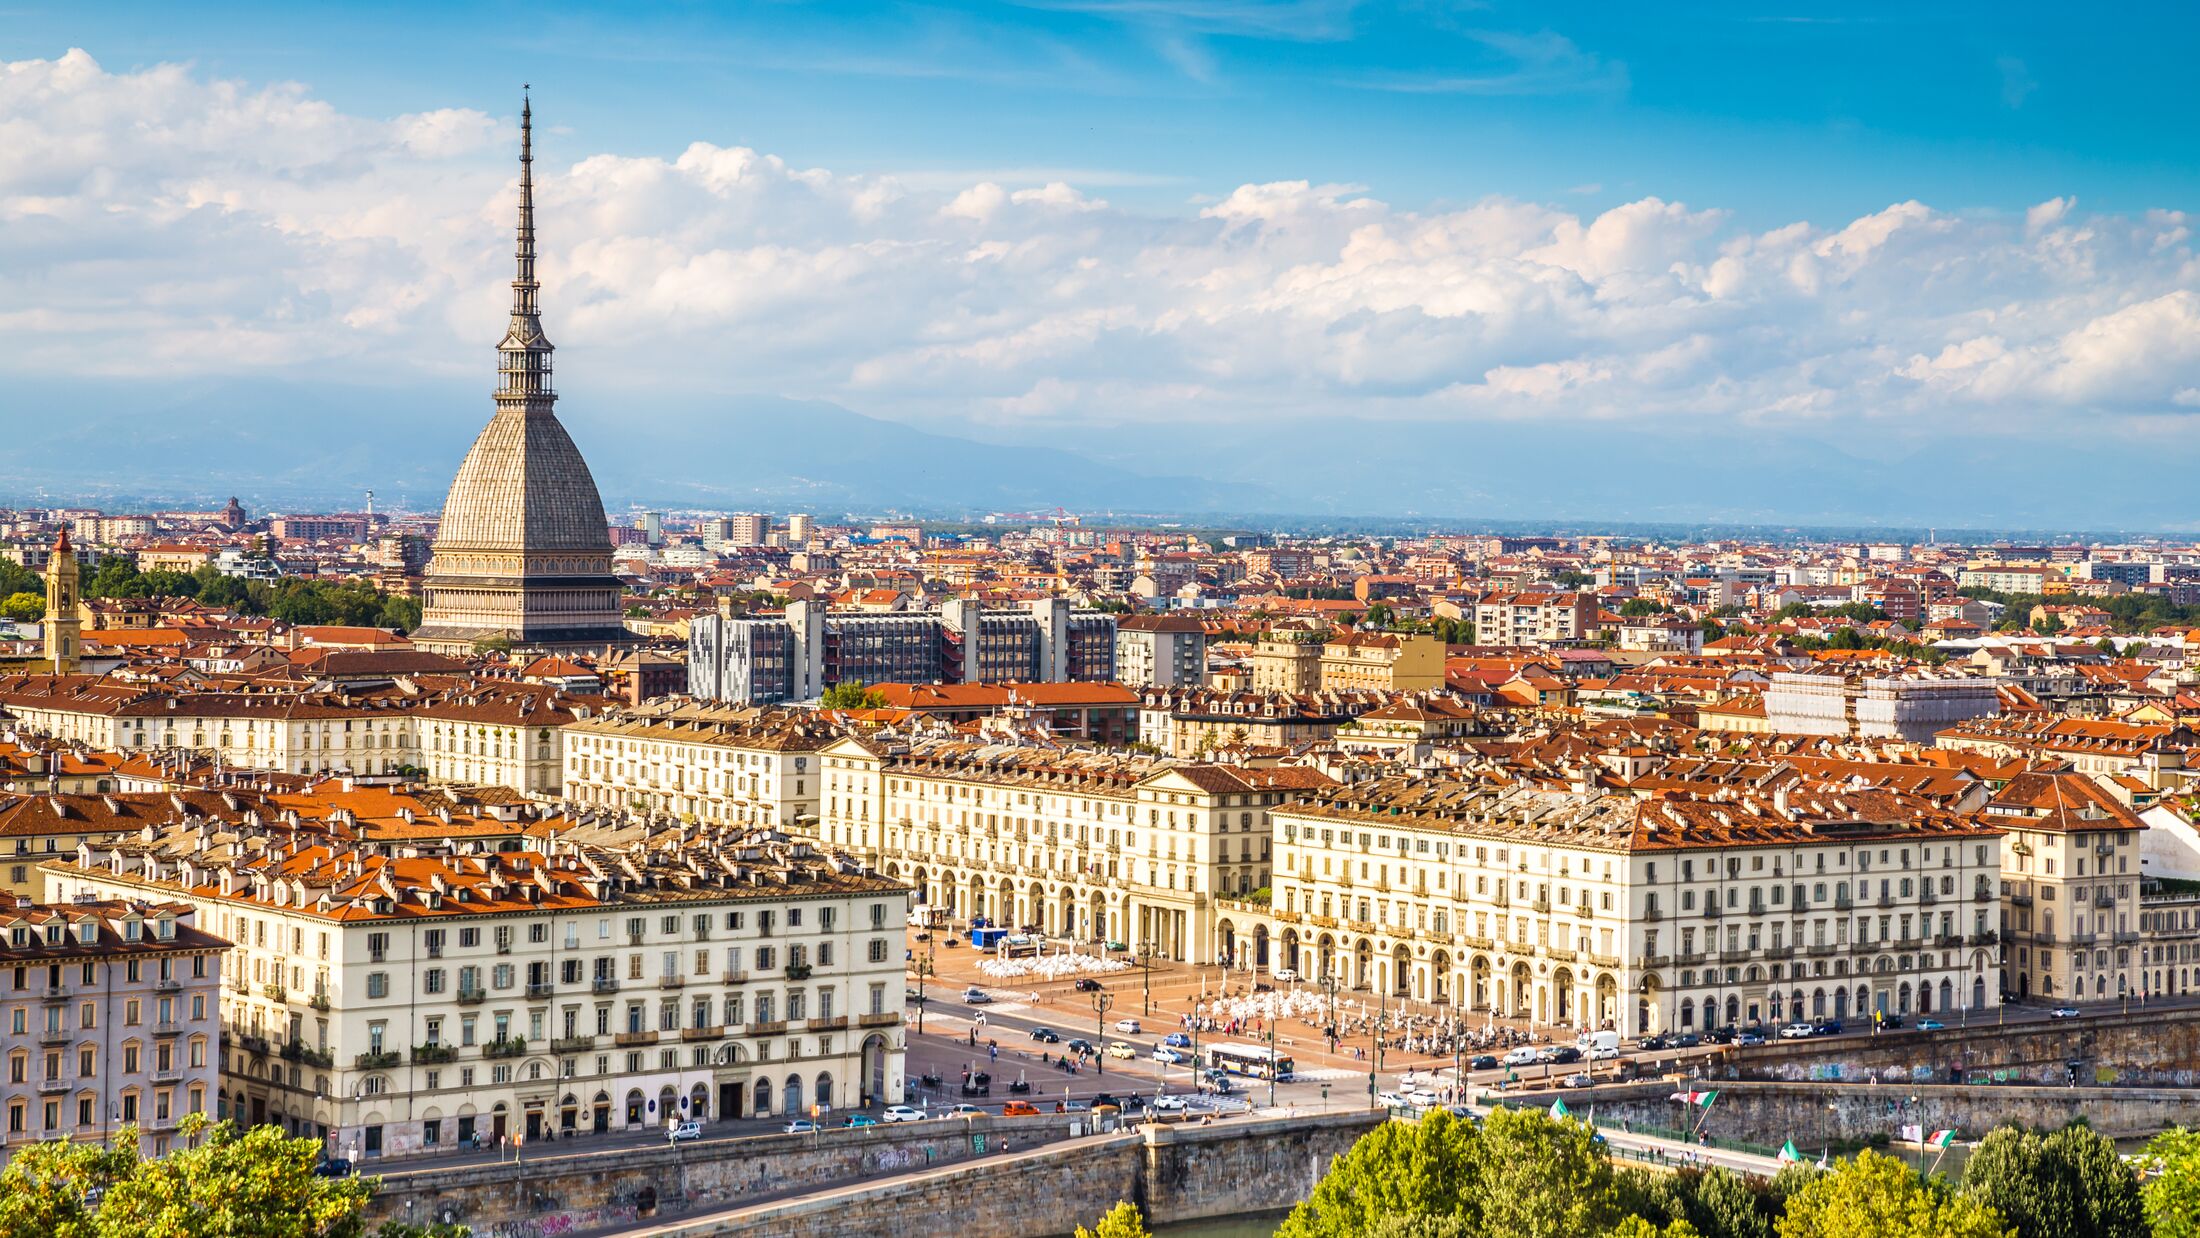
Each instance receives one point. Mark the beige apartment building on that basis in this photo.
(2070, 880)
(609, 980)
(109, 1016)
(1600, 911)
(713, 764)
(1095, 845)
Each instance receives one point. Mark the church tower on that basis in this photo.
(64, 629)
(522, 553)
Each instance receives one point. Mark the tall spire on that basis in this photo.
(524, 355)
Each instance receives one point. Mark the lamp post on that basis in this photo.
(1272, 1072)
(1100, 1003)
(1147, 951)
(1375, 1039)
(1329, 987)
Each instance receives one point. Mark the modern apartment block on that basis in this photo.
(1161, 651)
(616, 978)
(796, 656)
(109, 1016)
(1604, 911)
(708, 763)
(1914, 707)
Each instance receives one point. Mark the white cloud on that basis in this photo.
(163, 223)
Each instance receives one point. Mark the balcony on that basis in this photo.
(52, 1087)
(1363, 927)
(1927, 896)
(275, 992)
(1985, 895)
(2104, 899)
(671, 982)
(169, 1074)
(377, 1061)
(2018, 900)
(1779, 952)
(540, 989)
(1473, 942)
(572, 1044)
(630, 1039)
(1733, 956)
(735, 977)
(1819, 949)
(255, 1045)
(55, 993)
(511, 1046)
(1842, 902)
(1886, 900)
(888, 1019)
(1947, 941)
(1685, 957)
(300, 1051)
(472, 996)
(1541, 904)
(833, 1023)
(1988, 938)
(767, 1029)
(56, 1036)
(168, 984)
(712, 1032)
(798, 971)
(1711, 911)
(166, 1028)
(1561, 954)
(319, 1001)
(604, 984)
(432, 1055)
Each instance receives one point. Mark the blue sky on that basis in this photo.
(1774, 111)
(1857, 262)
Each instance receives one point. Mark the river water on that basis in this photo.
(1257, 1225)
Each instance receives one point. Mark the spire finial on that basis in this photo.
(525, 364)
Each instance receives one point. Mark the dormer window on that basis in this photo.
(131, 930)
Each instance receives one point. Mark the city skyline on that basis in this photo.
(766, 305)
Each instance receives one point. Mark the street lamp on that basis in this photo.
(1100, 1003)
(1329, 987)
(1147, 951)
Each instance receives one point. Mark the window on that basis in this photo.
(378, 984)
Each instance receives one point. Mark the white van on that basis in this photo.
(1599, 1046)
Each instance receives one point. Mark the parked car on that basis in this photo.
(1019, 1109)
(1177, 1040)
(1046, 1035)
(1483, 1061)
(1720, 1035)
(800, 1126)
(1687, 1040)
(1170, 1104)
(1610, 1053)
(1525, 1055)
(334, 1167)
(1392, 1100)
(1079, 1045)
(1798, 1031)
(1827, 1027)
(975, 996)
(684, 1132)
(2063, 1012)
(1563, 1055)
(1889, 1022)
(1580, 1081)
(1128, 1027)
(1750, 1039)
(857, 1121)
(1086, 984)
(903, 1113)
(1651, 1044)
(1930, 1025)
(1171, 1057)
(961, 1111)
(1121, 1050)
(1284, 974)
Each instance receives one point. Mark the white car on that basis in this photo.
(975, 996)
(1171, 1057)
(960, 1111)
(1605, 1053)
(1798, 1031)
(684, 1132)
(1284, 975)
(1391, 1100)
(1422, 1098)
(1129, 1026)
(902, 1113)
(1169, 1104)
(1522, 1056)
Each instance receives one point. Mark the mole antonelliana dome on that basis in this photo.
(522, 551)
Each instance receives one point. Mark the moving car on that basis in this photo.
(800, 1126)
(1930, 1025)
(1172, 1057)
(903, 1113)
(1687, 1040)
(1483, 1061)
(1654, 1043)
(1046, 1035)
(1391, 1100)
(1086, 984)
(1170, 1104)
(684, 1132)
(961, 1111)
(2063, 1012)
(1610, 1053)
(335, 1167)
(975, 996)
(1128, 1027)
(1522, 1056)
(1177, 1040)
(1750, 1039)
(1284, 974)
(1080, 1045)
(1423, 1098)
(1828, 1027)
(1798, 1031)
(1563, 1055)
(1019, 1109)
(1121, 1050)
(856, 1121)
(1580, 1081)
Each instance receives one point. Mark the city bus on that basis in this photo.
(1254, 1060)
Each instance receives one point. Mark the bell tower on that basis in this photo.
(63, 628)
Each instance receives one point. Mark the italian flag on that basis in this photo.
(1788, 1154)
(1559, 1109)
(1696, 1098)
(1940, 1139)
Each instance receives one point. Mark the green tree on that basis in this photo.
(45, 1186)
(1538, 1175)
(1420, 1225)
(2070, 1184)
(1723, 1204)
(25, 607)
(400, 612)
(853, 695)
(168, 584)
(499, 643)
(1422, 1169)
(114, 577)
(15, 578)
(2172, 1193)
(1636, 607)
(1637, 1227)
(1875, 1196)
(1124, 1220)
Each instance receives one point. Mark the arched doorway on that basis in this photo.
(1439, 968)
(874, 1070)
(1607, 1002)
(791, 1102)
(762, 1098)
(824, 1094)
(1363, 964)
(1478, 978)
(1401, 973)
(1562, 992)
(1291, 951)
(1523, 986)
(1225, 942)
(1648, 1020)
(1260, 945)
(599, 1119)
(634, 1107)
(699, 1103)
